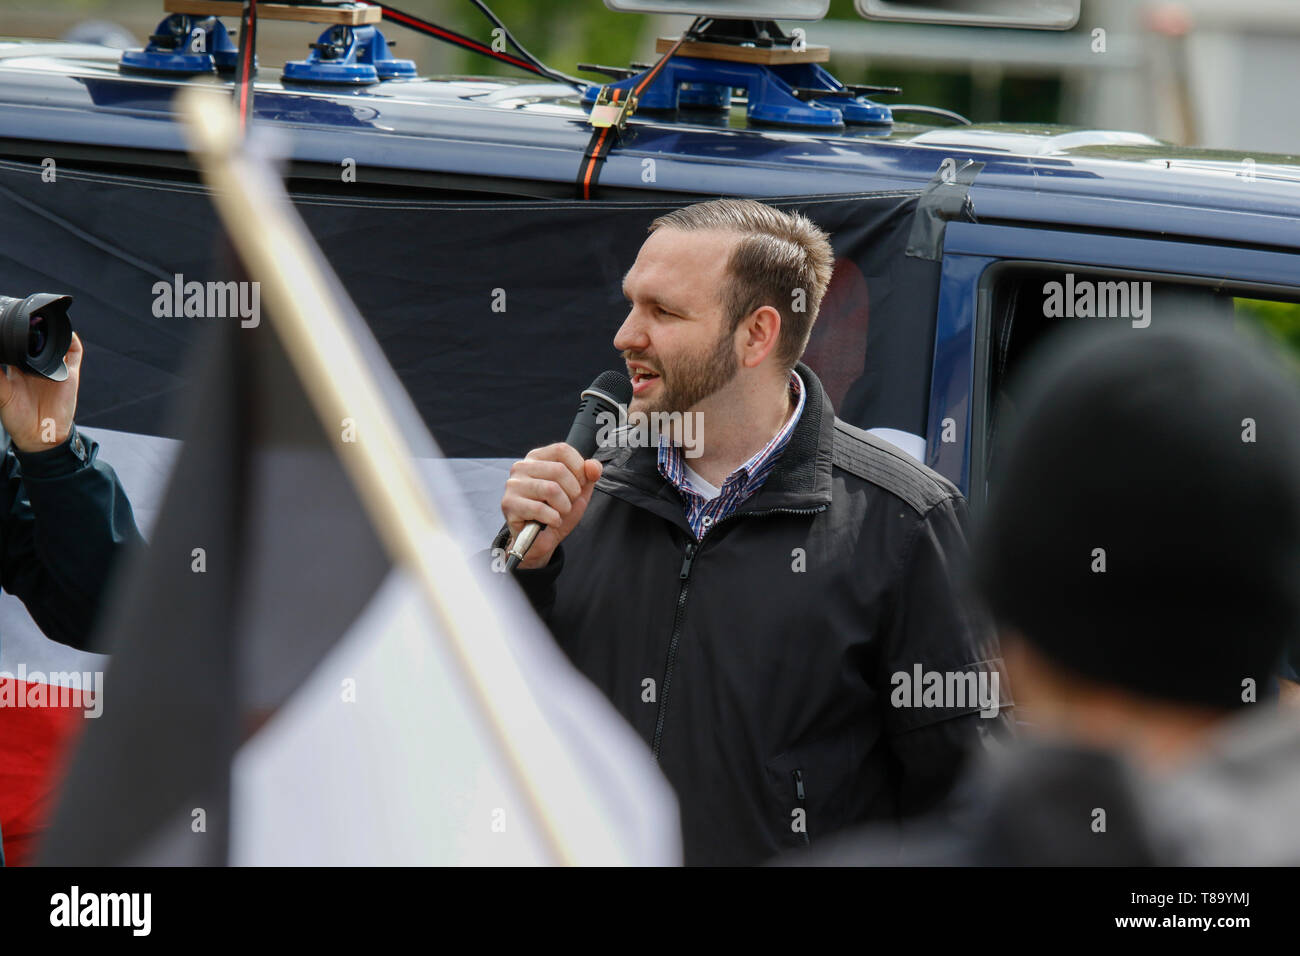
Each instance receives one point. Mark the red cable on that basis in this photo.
(450, 36)
(247, 41)
(602, 142)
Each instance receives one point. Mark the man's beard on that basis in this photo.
(694, 378)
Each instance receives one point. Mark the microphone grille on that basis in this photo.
(614, 384)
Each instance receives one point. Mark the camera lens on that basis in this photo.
(35, 333)
(36, 336)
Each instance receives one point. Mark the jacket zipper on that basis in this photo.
(800, 797)
(684, 576)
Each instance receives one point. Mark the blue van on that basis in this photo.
(447, 205)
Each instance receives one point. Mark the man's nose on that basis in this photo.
(631, 335)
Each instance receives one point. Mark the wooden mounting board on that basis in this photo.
(352, 15)
(745, 54)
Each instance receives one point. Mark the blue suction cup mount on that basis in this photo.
(185, 44)
(349, 55)
(784, 94)
(782, 83)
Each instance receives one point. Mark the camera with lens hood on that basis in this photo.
(35, 333)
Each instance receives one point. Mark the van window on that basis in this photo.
(1028, 302)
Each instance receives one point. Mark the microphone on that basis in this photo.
(607, 394)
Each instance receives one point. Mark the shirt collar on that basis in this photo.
(671, 463)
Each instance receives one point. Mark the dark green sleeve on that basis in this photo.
(66, 525)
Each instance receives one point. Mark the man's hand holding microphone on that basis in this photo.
(552, 485)
(548, 492)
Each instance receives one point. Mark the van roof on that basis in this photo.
(529, 131)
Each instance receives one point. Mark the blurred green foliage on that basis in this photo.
(1279, 320)
(561, 33)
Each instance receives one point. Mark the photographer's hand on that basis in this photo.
(36, 412)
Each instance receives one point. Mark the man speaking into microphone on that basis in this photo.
(749, 609)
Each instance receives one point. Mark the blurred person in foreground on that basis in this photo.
(1141, 556)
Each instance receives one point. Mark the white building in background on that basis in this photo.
(1214, 73)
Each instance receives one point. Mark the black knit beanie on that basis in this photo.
(1143, 527)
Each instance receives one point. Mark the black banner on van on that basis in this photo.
(494, 314)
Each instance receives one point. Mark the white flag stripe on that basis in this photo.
(405, 773)
(398, 774)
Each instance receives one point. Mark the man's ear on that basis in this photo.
(759, 332)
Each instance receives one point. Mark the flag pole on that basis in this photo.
(312, 323)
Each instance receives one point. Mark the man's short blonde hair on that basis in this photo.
(783, 259)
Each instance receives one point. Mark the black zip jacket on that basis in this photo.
(757, 662)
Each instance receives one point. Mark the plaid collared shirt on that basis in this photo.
(741, 484)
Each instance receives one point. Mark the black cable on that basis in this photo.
(419, 25)
(510, 38)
